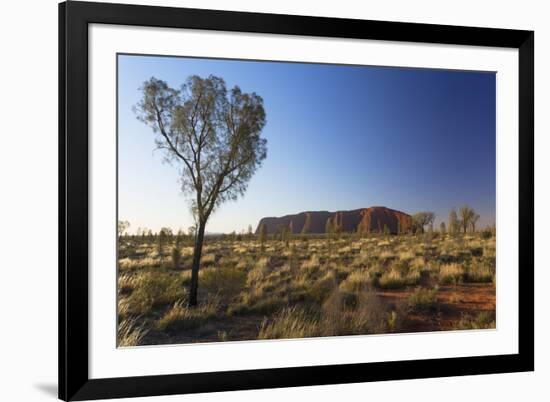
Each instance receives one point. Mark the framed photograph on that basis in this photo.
(257, 201)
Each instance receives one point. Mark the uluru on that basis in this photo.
(371, 220)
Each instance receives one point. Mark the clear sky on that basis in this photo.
(339, 138)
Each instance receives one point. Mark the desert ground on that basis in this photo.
(304, 286)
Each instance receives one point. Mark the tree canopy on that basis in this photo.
(212, 135)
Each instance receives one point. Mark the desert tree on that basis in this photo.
(249, 232)
(122, 226)
(442, 228)
(421, 219)
(263, 235)
(466, 214)
(453, 222)
(213, 136)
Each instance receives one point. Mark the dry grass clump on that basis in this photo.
(483, 320)
(310, 266)
(180, 316)
(154, 289)
(127, 283)
(256, 305)
(370, 316)
(320, 289)
(229, 280)
(123, 308)
(208, 259)
(125, 264)
(423, 300)
(395, 279)
(291, 322)
(406, 255)
(386, 255)
(356, 281)
(479, 273)
(130, 333)
(451, 273)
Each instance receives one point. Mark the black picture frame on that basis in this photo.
(74, 381)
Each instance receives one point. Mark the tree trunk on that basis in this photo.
(193, 287)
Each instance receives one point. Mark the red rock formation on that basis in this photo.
(368, 220)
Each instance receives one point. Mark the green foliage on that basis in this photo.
(213, 137)
(468, 217)
(122, 226)
(421, 219)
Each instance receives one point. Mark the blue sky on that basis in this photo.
(339, 138)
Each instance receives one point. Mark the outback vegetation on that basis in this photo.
(292, 285)
(313, 274)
